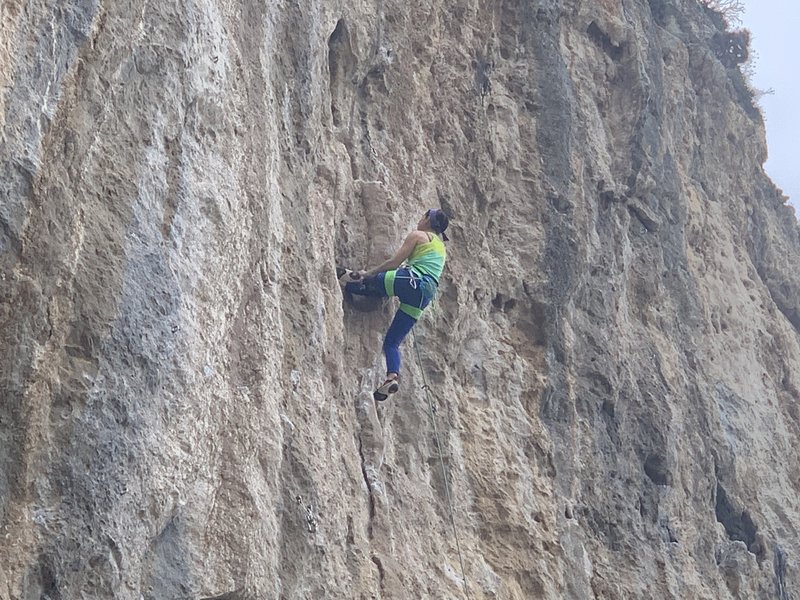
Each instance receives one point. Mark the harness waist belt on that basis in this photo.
(423, 275)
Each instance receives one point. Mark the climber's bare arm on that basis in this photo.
(413, 238)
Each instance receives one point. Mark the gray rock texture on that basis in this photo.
(186, 406)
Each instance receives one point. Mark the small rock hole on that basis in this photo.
(737, 522)
(656, 469)
(599, 37)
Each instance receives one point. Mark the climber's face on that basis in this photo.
(425, 221)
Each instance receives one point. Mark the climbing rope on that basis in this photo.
(432, 414)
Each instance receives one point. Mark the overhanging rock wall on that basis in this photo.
(186, 408)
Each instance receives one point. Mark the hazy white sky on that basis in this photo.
(775, 27)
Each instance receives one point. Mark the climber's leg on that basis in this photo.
(370, 286)
(397, 332)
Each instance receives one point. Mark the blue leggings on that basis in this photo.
(414, 294)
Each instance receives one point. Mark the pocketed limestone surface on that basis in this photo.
(613, 355)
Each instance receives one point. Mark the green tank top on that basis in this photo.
(428, 258)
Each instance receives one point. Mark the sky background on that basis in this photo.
(775, 29)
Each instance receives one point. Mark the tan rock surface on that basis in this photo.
(186, 400)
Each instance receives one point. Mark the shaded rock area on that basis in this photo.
(186, 398)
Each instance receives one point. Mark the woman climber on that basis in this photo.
(414, 282)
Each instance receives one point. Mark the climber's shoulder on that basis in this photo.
(411, 241)
(417, 237)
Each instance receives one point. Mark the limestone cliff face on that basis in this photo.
(614, 354)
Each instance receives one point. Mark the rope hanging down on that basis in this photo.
(432, 415)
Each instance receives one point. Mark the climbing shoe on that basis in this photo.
(345, 276)
(390, 386)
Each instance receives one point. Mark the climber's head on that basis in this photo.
(436, 220)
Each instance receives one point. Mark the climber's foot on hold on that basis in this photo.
(345, 276)
(390, 386)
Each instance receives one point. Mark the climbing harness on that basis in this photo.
(432, 414)
(424, 283)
